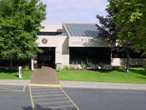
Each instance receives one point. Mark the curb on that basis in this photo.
(15, 82)
(100, 85)
(87, 85)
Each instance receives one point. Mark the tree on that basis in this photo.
(108, 24)
(125, 22)
(131, 16)
(111, 31)
(19, 23)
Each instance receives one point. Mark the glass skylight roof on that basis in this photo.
(85, 30)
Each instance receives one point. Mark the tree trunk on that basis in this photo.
(127, 60)
(11, 64)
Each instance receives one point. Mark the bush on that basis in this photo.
(65, 68)
(26, 68)
(121, 68)
(83, 65)
(59, 69)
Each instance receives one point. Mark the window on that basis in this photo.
(92, 54)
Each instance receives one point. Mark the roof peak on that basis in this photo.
(77, 23)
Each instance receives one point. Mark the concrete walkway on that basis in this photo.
(14, 82)
(101, 85)
(45, 75)
(76, 84)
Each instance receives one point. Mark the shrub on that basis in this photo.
(59, 69)
(121, 68)
(83, 65)
(65, 68)
(26, 68)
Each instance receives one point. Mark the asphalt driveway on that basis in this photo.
(108, 99)
(44, 98)
(14, 98)
(34, 98)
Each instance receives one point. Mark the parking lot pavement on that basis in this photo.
(55, 98)
(107, 99)
(12, 88)
(14, 98)
(51, 98)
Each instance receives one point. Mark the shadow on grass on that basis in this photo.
(99, 70)
(133, 70)
(7, 71)
(138, 71)
(17, 76)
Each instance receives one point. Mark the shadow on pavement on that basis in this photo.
(27, 108)
(39, 107)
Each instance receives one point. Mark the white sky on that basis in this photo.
(59, 11)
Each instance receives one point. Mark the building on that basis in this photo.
(73, 44)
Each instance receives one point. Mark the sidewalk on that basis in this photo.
(76, 84)
(45, 75)
(102, 85)
(14, 82)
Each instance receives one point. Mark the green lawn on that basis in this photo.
(14, 75)
(136, 75)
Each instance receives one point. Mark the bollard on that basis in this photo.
(20, 72)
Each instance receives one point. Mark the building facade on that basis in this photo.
(76, 44)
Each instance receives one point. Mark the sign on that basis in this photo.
(86, 42)
(44, 40)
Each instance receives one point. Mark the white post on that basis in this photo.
(20, 72)
(32, 64)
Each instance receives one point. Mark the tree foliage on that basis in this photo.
(19, 23)
(112, 30)
(131, 16)
(126, 22)
(108, 24)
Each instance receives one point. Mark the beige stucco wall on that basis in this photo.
(61, 48)
(117, 62)
(59, 42)
(62, 52)
(51, 41)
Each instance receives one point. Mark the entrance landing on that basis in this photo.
(44, 76)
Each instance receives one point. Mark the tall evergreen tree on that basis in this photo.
(19, 23)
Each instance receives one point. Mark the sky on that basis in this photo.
(74, 11)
